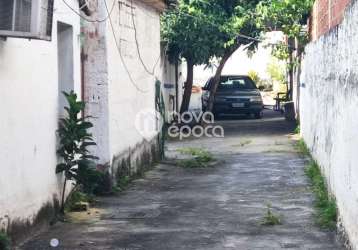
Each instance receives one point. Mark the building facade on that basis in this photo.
(32, 75)
(111, 55)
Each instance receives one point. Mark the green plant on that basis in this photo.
(123, 181)
(297, 129)
(326, 208)
(74, 140)
(302, 148)
(75, 198)
(5, 242)
(201, 158)
(270, 219)
(200, 30)
(254, 76)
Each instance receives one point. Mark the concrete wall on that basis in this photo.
(29, 94)
(122, 63)
(329, 124)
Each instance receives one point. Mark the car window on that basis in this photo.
(236, 83)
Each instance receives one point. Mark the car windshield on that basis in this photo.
(231, 83)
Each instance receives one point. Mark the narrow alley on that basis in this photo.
(214, 208)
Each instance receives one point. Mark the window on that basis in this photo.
(26, 18)
(236, 83)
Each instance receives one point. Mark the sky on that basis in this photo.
(240, 63)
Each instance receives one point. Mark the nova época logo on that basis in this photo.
(149, 123)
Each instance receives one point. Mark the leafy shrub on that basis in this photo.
(75, 139)
(5, 243)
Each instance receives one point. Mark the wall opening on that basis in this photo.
(65, 62)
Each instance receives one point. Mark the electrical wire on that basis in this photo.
(150, 72)
(120, 54)
(87, 19)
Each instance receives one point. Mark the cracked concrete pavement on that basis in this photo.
(209, 209)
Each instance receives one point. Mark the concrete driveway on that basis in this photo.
(209, 209)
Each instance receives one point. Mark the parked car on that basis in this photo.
(236, 94)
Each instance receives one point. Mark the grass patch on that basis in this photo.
(5, 242)
(270, 219)
(122, 183)
(201, 158)
(297, 129)
(302, 148)
(326, 208)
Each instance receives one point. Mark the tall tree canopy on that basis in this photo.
(199, 30)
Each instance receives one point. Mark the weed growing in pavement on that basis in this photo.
(297, 129)
(302, 148)
(201, 158)
(326, 208)
(270, 219)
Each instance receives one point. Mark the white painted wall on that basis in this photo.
(29, 117)
(118, 84)
(329, 123)
(131, 90)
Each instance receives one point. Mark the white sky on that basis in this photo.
(240, 63)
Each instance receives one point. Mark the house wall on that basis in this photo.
(134, 66)
(120, 81)
(329, 124)
(29, 94)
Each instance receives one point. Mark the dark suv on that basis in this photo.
(236, 94)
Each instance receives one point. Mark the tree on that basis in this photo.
(188, 34)
(237, 21)
(74, 141)
(199, 30)
(289, 16)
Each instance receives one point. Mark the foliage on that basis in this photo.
(74, 140)
(286, 15)
(297, 129)
(123, 182)
(201, 158)
(76, 198)
(326, 207)
(302, 148)
(270, 218)
(254, 76)
(276, 70)
(199, 30)
(5, 243)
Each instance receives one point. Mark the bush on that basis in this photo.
(5, 243)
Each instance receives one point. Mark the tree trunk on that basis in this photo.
(187, 87)
(62, 210)
(216, 80)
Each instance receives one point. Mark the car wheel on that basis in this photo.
(258, 115)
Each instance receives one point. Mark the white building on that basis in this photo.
(32, 75)
(123, 62)
(111, 56)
